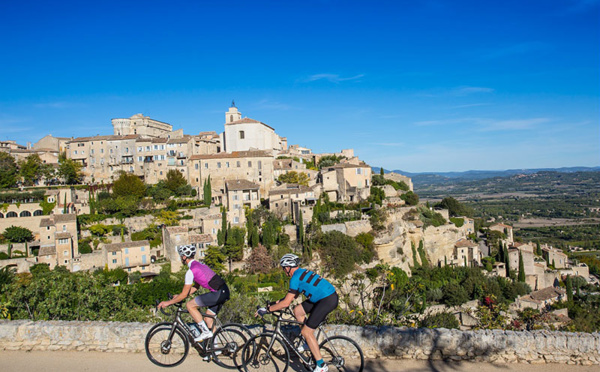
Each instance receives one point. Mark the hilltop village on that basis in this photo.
(229, 188)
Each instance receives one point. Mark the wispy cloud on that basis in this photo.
(332, 78)
(460, 91)
(470, 105)
(464, 91)
(488, 125)
(56, 105)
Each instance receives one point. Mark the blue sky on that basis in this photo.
(412, 85)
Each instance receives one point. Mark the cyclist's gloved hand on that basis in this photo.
(262, 311)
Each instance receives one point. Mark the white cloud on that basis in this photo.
(463, 91)
(488, 125)
(332, 78)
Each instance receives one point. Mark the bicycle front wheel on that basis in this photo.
(343, 354)
(166, 346)
(265, 352)
(227, 342)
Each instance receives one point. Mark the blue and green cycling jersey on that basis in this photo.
(311, 285)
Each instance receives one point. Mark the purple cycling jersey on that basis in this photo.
(202, 275)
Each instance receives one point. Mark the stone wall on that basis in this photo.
(376, 342)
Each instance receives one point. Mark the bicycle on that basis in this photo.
(167, 343)
(269, 350)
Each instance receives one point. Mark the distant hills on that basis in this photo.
(432, 178)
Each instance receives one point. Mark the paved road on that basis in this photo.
(65, 361)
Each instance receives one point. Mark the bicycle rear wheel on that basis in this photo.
(227, 342)
(265, 352)
(165, 346)
(342, 354)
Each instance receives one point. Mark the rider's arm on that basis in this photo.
(180, 297)
(282, 304)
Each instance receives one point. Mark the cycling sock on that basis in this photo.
(203, 327)
(320, 362)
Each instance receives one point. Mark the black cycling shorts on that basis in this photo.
(214, 300)
(319, 310)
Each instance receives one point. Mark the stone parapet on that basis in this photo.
(376, 342)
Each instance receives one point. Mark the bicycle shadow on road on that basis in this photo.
(443, 349)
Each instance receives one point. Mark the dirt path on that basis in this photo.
(65, 361)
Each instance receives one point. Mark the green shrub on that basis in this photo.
(440, 320)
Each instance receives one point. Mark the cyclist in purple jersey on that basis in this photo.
(200, 275)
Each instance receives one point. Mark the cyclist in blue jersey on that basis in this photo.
(321, 299)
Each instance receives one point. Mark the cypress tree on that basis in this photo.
(423, 255)
(300, 228)
(507, 262)
(65, 204)
(569, 288)
(381, 171)
(521, 277)
(538, 249)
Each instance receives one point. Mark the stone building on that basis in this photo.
(131, 256)
(142, 125)
(397, 177)
(555, 256)
(58, 244)
(245, 134)
(347, 182)
(286, 200)
(176, 236)
(466, 252)
(505, 229)
(254, 166)
(240, 194)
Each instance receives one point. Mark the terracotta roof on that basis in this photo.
(48, 250)
(58, 218)
(465, 243)
(546, 294)
(291, 190)
(238, 185)
(235, 154)
(501, 225)
(185, 139)
(115, 247)
(349, 165)
(63, 235)
(104, 138)
(201, 238)
(248, 121)
(177, 229)
(45, 222)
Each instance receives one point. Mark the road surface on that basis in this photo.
(66, 361)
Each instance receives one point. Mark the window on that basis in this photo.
(238, 164)
(142, 249)
(127, 251)
(227, 164)
(140, 149)
(218, 164)
(64, 228)
(114, 261)
(65, 253)
(74, 152)
(155, 147)
(92, 152)
(196, 166)
(114, 253)
(241, 134)
(143, 259)
(358, 170)
(249, 164)
(235, 198)
(236, 220)
(205, 165)
(259, 164)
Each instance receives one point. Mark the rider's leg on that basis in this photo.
(299, 313)
(210, 321)
(311, 340)
(192, 307)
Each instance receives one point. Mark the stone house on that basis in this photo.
(505, 229)
(131, 256)
(541, 299)
(347, 182)
(466, 252)
(142, 125)
(286, 200)
(555, 256)
(254, 166)
(240, 194)
(175, 236)
(58, 244)
(397, 177)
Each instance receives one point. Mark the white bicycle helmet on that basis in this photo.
(186, 250)
(289, 260)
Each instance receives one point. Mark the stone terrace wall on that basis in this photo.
(383, 342)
